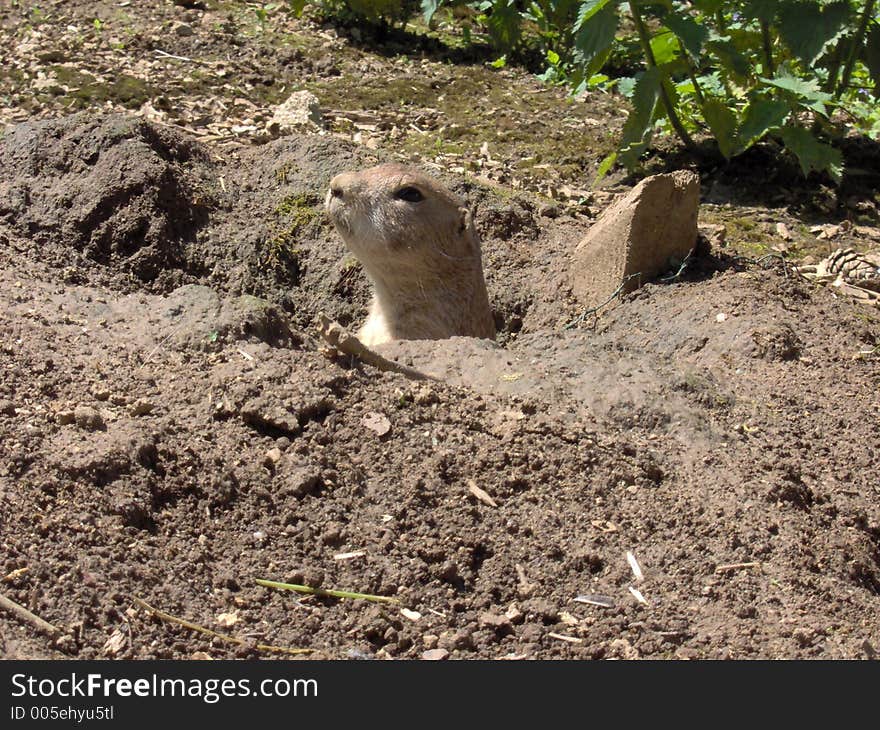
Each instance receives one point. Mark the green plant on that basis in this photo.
(739, 71)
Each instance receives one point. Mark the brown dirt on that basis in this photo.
(170, 431)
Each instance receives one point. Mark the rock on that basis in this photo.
(497, 622)
(88, 418)
(7, 408)
(182, 29)
(297, 479)
(100, 392)
(648, 231)
(65, 417)
(378, 423)
(434, 655)
(272, 457)
(141, 407)
(301, 112)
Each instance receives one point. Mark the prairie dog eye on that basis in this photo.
(410, 194)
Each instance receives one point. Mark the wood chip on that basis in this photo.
(604, 525)
(349, 556)
(115, 644)
(480, 494)
(595, 599)
(227, 619)
(14, 574)
(563, 637)
(634, 564)
(637, 594)
(731, 567)
(411, 615)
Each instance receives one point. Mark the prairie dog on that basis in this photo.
(418, 245)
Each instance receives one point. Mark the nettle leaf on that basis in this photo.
(429, 7)
(664, 46)
(588, 9)
(764, 10)
(297, 7)
(761, 116)
(806, 27)
(722, 121)
(596, 35)
(689, 31)
(504, 24)
(637, 128)
(710, 7)
(730, 57)
(813, 154)
(806, 91)
(872, 56)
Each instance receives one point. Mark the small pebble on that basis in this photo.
(65, 417)
(273, 456)
(435, 655)
(141, 407)
(88, 418)
(7, 408)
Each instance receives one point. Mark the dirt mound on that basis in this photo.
(113, 190)
(173, 439)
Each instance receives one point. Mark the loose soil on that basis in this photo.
(171, 431)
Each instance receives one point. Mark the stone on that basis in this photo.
(88, 418)
(648, 231)
(301, 112)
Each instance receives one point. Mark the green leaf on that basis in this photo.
(637, 128)
(665, 47)
(764, 10)
(761, 116)
(588, 9)
(505, 25)
(297, 7)
(806, 27)
(813, 154)
(604, 167)
(499, 62)
(552, 57)
(731, 59)
(709, 7)
(872, 57)
(689, 31)
(722, 122)
(596, 35)
(806, 91)
(429, 7)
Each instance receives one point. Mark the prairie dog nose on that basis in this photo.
(336, 188)
(342, 186)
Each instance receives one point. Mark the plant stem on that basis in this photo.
(652, 63)
(854, 48)
(834, 67)
(768, 49)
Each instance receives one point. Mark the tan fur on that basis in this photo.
(422, 257)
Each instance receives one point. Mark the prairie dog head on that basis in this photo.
(394, 218)
(418, 245)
